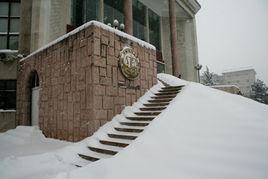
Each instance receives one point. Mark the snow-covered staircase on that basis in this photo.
(127, 126)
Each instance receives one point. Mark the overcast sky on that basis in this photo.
(233, 34)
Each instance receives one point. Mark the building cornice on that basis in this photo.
(190, 6)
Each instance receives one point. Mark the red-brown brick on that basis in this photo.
(81, 86)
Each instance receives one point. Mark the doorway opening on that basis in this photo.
(35, 89)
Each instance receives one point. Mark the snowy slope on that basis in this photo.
(204, 133)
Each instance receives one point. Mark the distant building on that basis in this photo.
(243, 78)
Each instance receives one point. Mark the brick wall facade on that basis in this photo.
(81, 85)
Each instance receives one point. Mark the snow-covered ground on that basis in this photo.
(204, 133)
(25, 140)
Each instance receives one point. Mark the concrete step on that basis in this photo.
(167, 93)
(156, 104)
(124, 134)
(148, 113)
(140, 124)
(89, 158)
(159, 100)
(139, 118)
(164, 97)
(112, 143)
(103, 151)
(153, 109)
(120, 129)
(118, 136)
(172, 87)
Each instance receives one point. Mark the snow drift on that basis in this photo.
(204, 133)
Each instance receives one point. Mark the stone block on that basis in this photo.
(121, 92)
(111, 39)
(115, 80)
(98, 90)
(108, 102)
(109, 70)
(95, 75)
(111, 60)
(100, 114)
(97, 102)
(96, 46)
(111, 91)
(100, 61)
(110, 51)
(105, 81)
(119, 100)
(110, 114)
(103, 72)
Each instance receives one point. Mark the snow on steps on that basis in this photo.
(127, 126)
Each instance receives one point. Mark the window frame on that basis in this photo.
(5, 92)
(8, 34)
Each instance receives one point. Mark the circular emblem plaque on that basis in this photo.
(129, 63)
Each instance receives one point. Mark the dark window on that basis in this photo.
(113, 9)
(160, 67)
(35, 80)
(9, 24)
(84, 11)
(139, 19)
(7, 94)
(154, 29)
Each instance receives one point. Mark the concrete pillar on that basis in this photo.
(173, 38)
(128, 17)
(25, 27)
(147, 34)
(101, 11)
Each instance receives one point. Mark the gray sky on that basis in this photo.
(233, 34)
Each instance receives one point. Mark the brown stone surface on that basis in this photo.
(81, 85)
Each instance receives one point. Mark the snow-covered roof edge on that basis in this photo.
(98, 24)
(8, 51)
(238, 69)
(224, 86)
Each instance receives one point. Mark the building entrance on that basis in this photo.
(35, 89)
(35, 106)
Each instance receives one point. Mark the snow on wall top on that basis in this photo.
(238, 69)
(98, 24)
(8, 51)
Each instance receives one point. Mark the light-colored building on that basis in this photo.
(243, 78)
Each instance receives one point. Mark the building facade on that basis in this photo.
(148, 20)
(9, 37)
(28, 25)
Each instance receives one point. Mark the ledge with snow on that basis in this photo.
(203, 133)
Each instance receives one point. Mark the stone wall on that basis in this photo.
(7, 120)
(81, 85)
